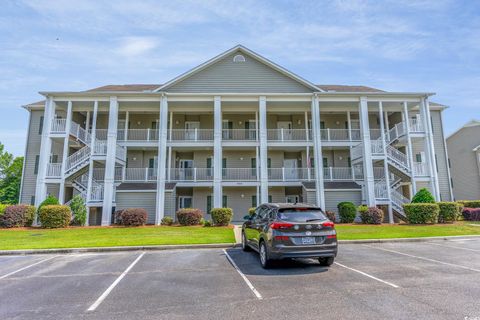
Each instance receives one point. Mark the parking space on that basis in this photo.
(428, 280)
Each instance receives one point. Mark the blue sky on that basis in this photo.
(430, 45)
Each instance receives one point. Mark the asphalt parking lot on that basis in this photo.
(428, 280)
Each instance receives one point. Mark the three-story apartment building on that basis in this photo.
(236, 131)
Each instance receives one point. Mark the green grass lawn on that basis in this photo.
(385, 231)
(11, 239)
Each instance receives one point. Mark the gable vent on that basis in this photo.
(239, 58)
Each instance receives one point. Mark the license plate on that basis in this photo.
(308, 240)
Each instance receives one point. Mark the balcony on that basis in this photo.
(191, 174)
(190, 135)
(143, 135)
(340, 135)
(239, 134)
(420, 169)
(58, 126)
(54, 170)
(281, 135)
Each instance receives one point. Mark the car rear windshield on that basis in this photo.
(301, 215)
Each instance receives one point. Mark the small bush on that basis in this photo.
(134, 217)
(166, 221)
(207, 223)
(331, 215)
(347, 212)
(55, 216)
(448, 212)
(221, 216)
(3, 207)
(421, 213)
(362, 209)
(471, 214)
(372, 215)
(189, 216)
(49, 200)
(117, 216)
(79, 211)
(20, 215)
(423, 196)
(251, 211)
(470, 203)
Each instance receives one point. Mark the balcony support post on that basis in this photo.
(169, 164)
(409, 146)
(161, 159)
(262, 108)
(385, 162)
(68, 121)
(108, 193)
(92, 149)
(349, 125)
(217, 153)
(429, 147)
(317, 151)
(306, 126)
(387, 125)
(367, 152)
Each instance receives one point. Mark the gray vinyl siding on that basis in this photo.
(228, 76)
(53, 189)
(170, 204)
(441, 155)
(235, 201)
(464, 164)
(34, 140)
(145, 200)
(332, 198)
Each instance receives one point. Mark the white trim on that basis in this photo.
(245, 51)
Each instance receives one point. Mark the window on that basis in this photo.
(325, 162)
(184, 202)
(40, 126)
(239, 58)
(54, 158)
(151, 163)
(209, 204)
(322, 124)
(35, 169)
(254, 201)
(224, 202)
(418, 157)
(154, 125)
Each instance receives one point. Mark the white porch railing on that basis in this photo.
(239, 134)
(191, 174)
(58, 125)
(291, 174)
(77, 158)
(416, 126)
(54, 170)
(399, 157)
(80, 133)
(137, 135)
(120, 152)
(239, 174)
(288, 135)
(188, 135)
(357, 151)
(139, 174)
(100, 134)
(100, 148)
(381, 191)
(340, 174)
(420, 169)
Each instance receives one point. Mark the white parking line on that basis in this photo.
(114, 284)
(367, 275)
(244, 277)
(24, 268)
(426, 259)
(454, 247)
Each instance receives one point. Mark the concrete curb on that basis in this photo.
(207, 246)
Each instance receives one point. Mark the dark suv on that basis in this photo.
(287, 230)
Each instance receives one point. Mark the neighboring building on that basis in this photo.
(236, 131)
(464, 157)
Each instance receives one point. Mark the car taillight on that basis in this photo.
(328, 224)
(282, 238)
(281, 225)
(332, 236)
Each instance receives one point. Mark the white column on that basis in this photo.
(349, 124)
(45, 150)
(409, 146)
(68, 121)
(387, 125)
(262, 110)
(171, 125)
(161, 159)
(125, 132)
(90, 166)
(317, 154)
(87, 122)
(169, 164)
(369, 179)
(110, 162)
(217, 153)
(431, 147)
(385, 163)
(306, 126)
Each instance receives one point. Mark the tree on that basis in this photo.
(79, 210)
(423, 196)
(10, 176)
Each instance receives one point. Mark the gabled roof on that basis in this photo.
(471, 123)
(246, 51)
(126, 87)
(343, 88)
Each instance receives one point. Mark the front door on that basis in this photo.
(285, 130)
(186, 169)
(251, 126)
(191, 128)
(227, 127)
(290, 166)
(184, 202)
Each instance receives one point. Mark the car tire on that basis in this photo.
(245, 246)
(263, 254)
(326, 261)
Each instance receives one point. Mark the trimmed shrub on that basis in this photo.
(79, 211)
(3, 207)
(55, 216)
(471, 214)
(421, 213)
(134, 217)
(371, 215)
(166, 221)
(207, 223)
(423, 196)
(331, 215)
(251, 211)
(49, 200)
(448, 212)
(221, 216)
(470, 203)
(189, 216)
(347, 211)
(20, 215)
(117, 216)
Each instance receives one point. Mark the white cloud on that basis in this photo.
(131, 47)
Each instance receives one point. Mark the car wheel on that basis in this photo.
(245, 246)
(326, 262)
(263, 253)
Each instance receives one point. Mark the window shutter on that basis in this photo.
(254, 201)
(40, 126)
(224, 163)
(224, 202)
(325, 162)
(270, 198)
(209, 204)
(35, 169)
(209, 163)
(151, 163)
(269, 163)
(349, 160)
